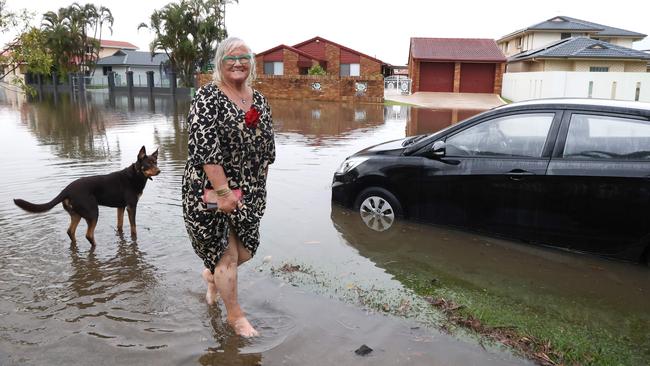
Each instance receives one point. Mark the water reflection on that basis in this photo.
(72, 129)
(605, 294)
(321, 122)
(127, 273)
(228, 351)
(424, 120)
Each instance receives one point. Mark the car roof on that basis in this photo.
(580, 103)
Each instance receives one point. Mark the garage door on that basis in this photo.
(437, 76)
(477, 78)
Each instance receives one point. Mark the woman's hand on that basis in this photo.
(226, 203)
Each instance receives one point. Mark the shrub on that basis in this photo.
(316, 70)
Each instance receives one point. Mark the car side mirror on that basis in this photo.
(438, 149)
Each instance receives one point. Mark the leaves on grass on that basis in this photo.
(539, 351)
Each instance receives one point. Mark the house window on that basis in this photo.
(565, 35)
(350, 70)
(274, 68)
(106, 70)
(598, 69)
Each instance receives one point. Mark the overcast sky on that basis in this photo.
(378, 28)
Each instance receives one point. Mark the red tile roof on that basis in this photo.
(283, 46)
(118, 44)
(456, 49)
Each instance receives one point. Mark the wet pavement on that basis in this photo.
(141, 301)
(452, 101)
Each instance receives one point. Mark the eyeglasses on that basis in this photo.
(243, 59)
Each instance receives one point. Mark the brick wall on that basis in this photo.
(290, 63)
(456, 77)
(333, 56)
(332, 88)
(259, 65)
(614, 66)
(636, 66)
(369, 67)
(498, 77)
(414, 74)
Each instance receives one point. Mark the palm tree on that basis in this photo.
(59, 40)
(188, 33)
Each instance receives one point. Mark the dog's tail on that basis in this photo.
(35, 208)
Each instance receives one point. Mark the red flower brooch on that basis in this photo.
(252, 117)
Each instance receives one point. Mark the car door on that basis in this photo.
(490, 177)
(600, 188)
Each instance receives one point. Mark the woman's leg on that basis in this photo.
(225, 279)
(211, 295)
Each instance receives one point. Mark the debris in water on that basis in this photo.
(363, 350)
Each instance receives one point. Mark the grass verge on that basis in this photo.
(546, 330)
(543, 328)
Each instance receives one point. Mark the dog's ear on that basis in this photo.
(142, 153)
(154, 156)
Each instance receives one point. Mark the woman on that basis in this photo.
(230, 147)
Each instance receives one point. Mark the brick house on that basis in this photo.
(337, 60)
(465, 65)
(282, 72)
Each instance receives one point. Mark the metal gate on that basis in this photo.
(397, 84)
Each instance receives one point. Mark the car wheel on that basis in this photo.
(378, 208)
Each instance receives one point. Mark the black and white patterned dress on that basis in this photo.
(218, 135)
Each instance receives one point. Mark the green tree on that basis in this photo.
(67, 33)
(31, 53)
(188, 32)
(316, 70)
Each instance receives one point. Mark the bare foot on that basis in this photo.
(211, 296)
(242, 327)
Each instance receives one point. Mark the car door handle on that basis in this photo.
(519, 174)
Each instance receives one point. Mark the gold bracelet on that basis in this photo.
(223, 192)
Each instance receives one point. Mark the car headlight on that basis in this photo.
(349, 164)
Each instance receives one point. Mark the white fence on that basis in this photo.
(632, 86)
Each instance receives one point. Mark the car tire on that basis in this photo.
(378, 209)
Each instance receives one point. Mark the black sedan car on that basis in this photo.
(571, 173)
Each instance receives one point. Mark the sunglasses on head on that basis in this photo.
(243, 59)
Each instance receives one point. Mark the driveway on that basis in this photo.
(449, 100)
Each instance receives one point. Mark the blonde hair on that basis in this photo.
(224, 48)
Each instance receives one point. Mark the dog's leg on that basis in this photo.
(131, 211)
(74, 221)
(120, 219)
(90, 232)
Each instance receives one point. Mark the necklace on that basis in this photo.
(243, 100)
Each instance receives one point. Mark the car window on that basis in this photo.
(521, 135)
(607, 137)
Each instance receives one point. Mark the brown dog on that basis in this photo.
(120, 189)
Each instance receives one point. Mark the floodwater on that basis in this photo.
(141, 301)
